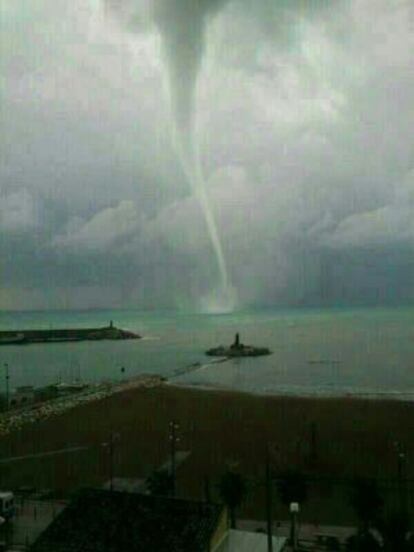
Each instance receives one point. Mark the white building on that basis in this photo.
(246, 541)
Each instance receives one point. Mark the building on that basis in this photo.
(101, 520)
(247, 541)
(6, 505)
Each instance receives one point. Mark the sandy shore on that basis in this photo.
(345, 436)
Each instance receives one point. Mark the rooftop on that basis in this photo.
(245, 541)
(100, 520)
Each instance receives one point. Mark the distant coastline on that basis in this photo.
(23, 337)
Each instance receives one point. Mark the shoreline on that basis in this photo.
(17, 418)
(393, 395)
(398, 396)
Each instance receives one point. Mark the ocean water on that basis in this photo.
(315, 352)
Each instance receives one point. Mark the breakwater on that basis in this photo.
(21, 337)
(14, 419)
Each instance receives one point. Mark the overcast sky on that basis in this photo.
(304, 112)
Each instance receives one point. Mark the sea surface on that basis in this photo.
(333, 352)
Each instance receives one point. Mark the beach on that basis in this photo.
(346, 436)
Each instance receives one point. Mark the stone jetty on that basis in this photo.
(15, 419)
(22, 337)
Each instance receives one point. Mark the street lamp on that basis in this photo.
(6, 366)
(111, 450)
(294, 510)
(174, 439)
(401, 465)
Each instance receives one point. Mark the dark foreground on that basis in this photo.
(331, 440)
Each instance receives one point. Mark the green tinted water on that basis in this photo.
(338, 351)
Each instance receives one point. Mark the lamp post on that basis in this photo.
(401, 465)
(173, 449)
(111, 463)
(6, 366)
(269, 490)
(111, 450)
(294, 510)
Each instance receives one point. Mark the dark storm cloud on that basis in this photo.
(182, 25)
(305, 126)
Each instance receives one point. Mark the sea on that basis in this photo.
(315, 352)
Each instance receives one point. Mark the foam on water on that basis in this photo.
(222, 300)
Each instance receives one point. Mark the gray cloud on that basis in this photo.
(304, 120)
(18, 211)
(103, 231)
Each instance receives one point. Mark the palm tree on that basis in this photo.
(160, 483)
(233, 490)
(292, 487)
(395, 532)
(366, 503)
(363, 542)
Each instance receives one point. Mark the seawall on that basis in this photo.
(21, 337)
